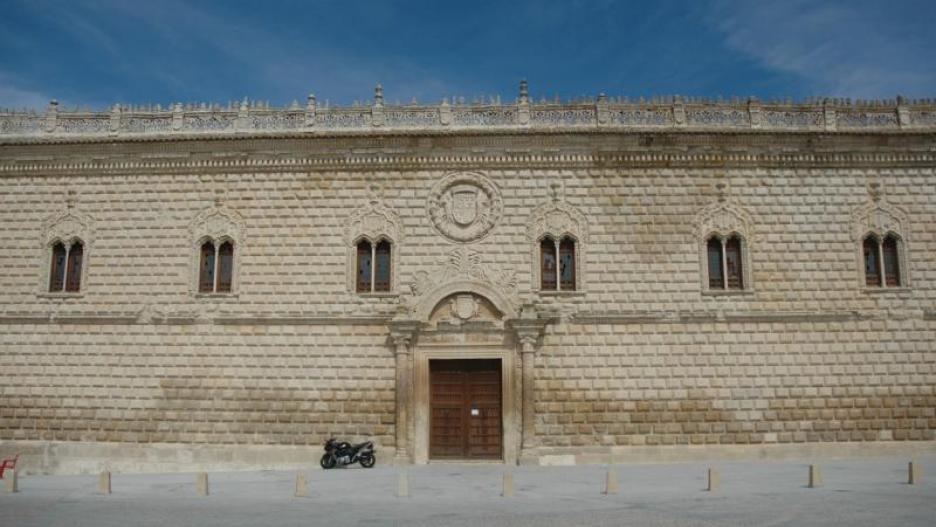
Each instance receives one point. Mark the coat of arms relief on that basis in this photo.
(464, 206)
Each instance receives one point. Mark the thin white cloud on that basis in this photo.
(286, 66)
(844, 49)
(17, 98)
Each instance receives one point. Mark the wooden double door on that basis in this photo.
(466, 417)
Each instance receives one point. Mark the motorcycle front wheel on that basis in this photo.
(328, 461)
(367, 460)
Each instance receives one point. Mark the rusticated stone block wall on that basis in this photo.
(283, 385)
(640, 355)
(736, 383)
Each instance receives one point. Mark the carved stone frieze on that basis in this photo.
(464, 206)
(464, 264)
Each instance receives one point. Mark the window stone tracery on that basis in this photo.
(223, 229)
(70, 233)
(377, 228)
(565, 226)
(881, 235)
(725, 239)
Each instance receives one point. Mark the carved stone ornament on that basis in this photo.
(465, 306)
(218, 222)
(557, 219)
(724, 218)
(67, 226)
(879, 218)
(372, 222)
(464, 264)
(464, 206)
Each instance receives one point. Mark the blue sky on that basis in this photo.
(160, 51)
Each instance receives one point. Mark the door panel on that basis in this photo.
(466, 418)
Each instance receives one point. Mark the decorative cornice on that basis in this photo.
(362, 163)
(826, 115)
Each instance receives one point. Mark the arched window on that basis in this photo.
(872, 262)
(725, 263)
(715, 266)
(65, 267)
(374, 267)
(216, 267)
(548, 265)
(557, 264)
(206, 275)
(882, 261)
(225, 267)
(733, 264)
(364, 267)
(382, 266)
(891, 261)
(567, 264)
(57, 273)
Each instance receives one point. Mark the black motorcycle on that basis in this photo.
(341, 453)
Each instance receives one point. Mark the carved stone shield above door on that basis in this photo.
(464, 206)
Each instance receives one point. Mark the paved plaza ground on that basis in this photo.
(855, 492)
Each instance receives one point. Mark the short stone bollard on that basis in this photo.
(815, 476)
(10, 481)
(714, 479)
(402, 486)
(611, 482)
(508, 490)
(302, 486)
(104, 483)
(201, 484)
(914, 473)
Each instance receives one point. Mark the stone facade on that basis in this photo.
(642, 353)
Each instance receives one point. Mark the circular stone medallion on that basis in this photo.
(464, 206)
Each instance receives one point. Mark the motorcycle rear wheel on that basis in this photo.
(328, 461)
(368, 460)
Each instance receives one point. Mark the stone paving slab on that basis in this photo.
(855, 492)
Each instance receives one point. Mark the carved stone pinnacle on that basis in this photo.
(378, 95)
(721, 189)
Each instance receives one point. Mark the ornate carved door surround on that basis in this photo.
(465, 323)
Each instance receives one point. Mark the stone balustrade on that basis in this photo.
(658, 113)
